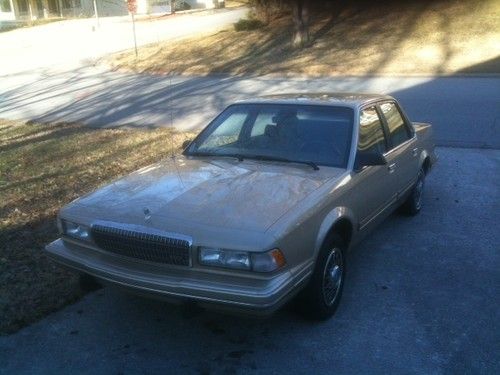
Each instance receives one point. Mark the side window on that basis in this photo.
(371, 135)
(227, 132)
(397, 129)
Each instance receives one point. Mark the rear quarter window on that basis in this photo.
(398, 131)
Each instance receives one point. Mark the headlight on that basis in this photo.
(259, 262)
(75, 230)
(225, 258)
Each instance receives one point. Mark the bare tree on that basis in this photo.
(300, 15)
(300, 10)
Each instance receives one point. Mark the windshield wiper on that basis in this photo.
(197, 153)
(285, 160)
(241, 157)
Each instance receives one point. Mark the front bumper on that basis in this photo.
(254, 294)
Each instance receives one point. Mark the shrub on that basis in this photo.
(248, 24)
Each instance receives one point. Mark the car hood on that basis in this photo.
(221, 192)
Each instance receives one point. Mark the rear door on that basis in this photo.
(402, 156)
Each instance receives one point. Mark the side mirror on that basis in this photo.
(186, 143)
(366, 159)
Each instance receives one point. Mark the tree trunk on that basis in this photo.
(300, 15)
(172, 7)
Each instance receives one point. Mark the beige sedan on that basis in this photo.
(260, 208)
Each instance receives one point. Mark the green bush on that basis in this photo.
(248, 24)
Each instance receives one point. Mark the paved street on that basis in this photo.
(421, 298)
(464, 110)
(78, 42)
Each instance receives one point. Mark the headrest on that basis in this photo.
(282, 116)
(271, 131)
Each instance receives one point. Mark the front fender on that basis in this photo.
(328, 222)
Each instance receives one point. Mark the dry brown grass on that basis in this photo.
(42, 167)
(236, 3)
(424, 37)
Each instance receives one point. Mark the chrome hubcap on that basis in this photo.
(332, 276)
(335, 274)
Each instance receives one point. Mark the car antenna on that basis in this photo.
(172, 152)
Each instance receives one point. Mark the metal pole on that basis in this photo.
(59, 4)
(133, 27)
(30, 11)
(95, 13)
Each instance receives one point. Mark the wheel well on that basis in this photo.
(343, 228)
(426, 165)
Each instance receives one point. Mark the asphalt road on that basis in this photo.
(421, 297)
(465, 111)
(71, 44)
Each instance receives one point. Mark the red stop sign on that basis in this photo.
(132, 6)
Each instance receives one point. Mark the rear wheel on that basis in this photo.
(413, 203)
(321, 297)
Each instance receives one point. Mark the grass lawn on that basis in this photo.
(11, 25)
(43, 167)
(395, 37)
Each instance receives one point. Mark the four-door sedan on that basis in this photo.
(260, 208)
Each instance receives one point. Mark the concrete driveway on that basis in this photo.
(421, 297)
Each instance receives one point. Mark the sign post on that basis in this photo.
(132, 8)
(95, 13)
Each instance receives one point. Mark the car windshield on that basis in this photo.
(313, 134)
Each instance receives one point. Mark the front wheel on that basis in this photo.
(321, 297)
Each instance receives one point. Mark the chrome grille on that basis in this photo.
(140, 245)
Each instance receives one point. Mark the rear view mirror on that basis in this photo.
(186, 143)
(366, 159)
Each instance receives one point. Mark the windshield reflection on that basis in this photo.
(312, 134)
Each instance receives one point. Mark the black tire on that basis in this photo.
(88, 283)
(320, 298)
(413, 203)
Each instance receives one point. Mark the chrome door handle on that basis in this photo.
(415, 151)
(391, 167)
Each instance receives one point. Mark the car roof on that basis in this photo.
(319, 98)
